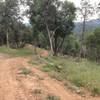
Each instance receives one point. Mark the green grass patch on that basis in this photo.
(52, 97)
(24, 71)
(47, 68)
(16, 52)
(33, 62)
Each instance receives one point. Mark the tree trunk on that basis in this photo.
(35, 46)
(60, 46)
(7, 39)
(50, 39)
(82, 39)
(55, 47)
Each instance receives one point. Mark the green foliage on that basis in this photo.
(71, 46)
(82, 74)
(55, 24)
(78, 82)
(16, 52)
(9, 10)
(32, 63)
(25, 71)
(52, 97)
(93, 44)
(12, 31)
(47, 68)
(20, 35)
(95, 91)
(42, 41)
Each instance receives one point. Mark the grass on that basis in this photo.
(52, 97)
(82, 74)
(25, 71)
(33, 63)
(16, 52)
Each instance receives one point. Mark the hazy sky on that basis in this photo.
(77, 2)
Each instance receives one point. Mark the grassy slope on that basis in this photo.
(82, 74)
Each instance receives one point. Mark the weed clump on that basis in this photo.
(24, 71)
(37, 91)
(52, 97)
(95, 91)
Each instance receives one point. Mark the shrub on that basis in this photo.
(93, 46)
(71, 46)
(95, 91)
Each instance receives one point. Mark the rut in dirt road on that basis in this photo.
(9, 89)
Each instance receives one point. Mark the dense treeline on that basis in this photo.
(51, 27)
(13, 32)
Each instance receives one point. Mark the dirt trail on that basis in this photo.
(14, 86)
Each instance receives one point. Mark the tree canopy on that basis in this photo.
(53, 18)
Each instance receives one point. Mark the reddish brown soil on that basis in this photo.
(44, 53)
(35, 86)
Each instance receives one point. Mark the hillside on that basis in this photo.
(40, 77)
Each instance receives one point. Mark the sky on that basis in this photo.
(77, 2)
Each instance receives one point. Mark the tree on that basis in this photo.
(93, 45)
(86, 10)
(9, 13)
(71, 46)
(20, 35)
(54, 19)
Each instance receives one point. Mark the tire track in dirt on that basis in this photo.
(9, 88)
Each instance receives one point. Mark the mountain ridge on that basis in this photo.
(90, 25)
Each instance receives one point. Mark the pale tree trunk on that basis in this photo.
(35, 46)
(82, 37)
(50, 39)
(7, 39)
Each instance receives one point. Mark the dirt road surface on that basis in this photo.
(36, 86)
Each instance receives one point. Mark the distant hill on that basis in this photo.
(91, 25)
